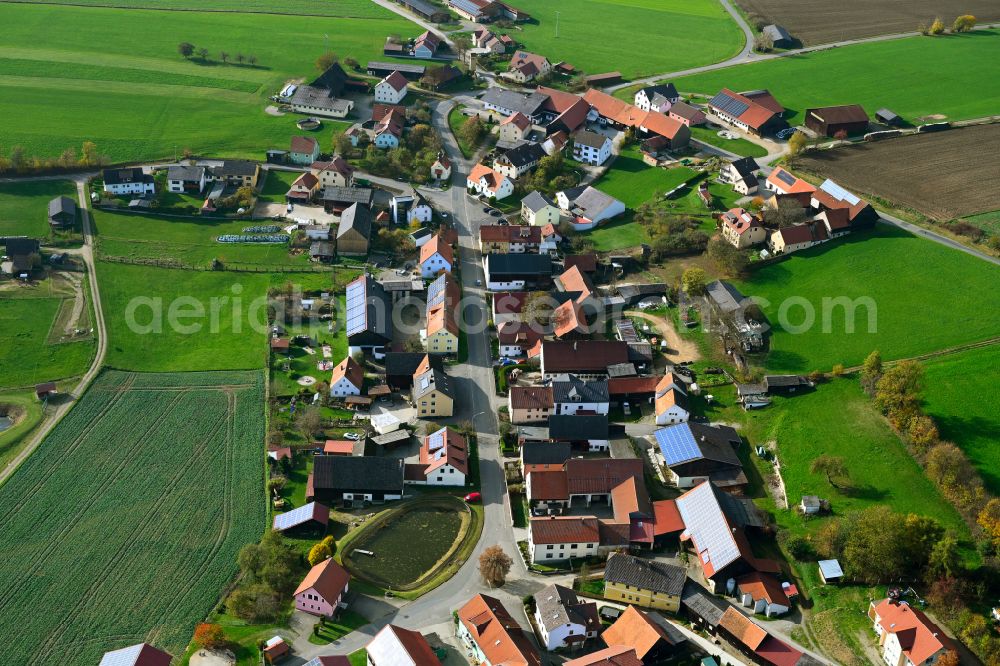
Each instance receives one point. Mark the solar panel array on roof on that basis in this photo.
(707, 526)
(289, 519)
(356, 316)
(435, 440)
(730, 105)
(786, 178)
(677, 444)
(124, 657)
(839, 193)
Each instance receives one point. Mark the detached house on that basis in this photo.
(335, 173)
(436, 255)
(322, 591)
(303, 150)
(441, 169)
(741, 174)
(563, 619)
(648, 634)
(520, 160)
(348, 378)
(648, 583)
(484, 180)
(391, 89)
(303, 189)
(186, 179)
(410, 209)
(657, 98)
(905, 635)
(670, 402)
(395, 646)
(591, 147)
(538, 210)
(492, 635)
(526, 66)
(529, 404)
(128, 181)
(742, 229)
(515, 128)
(444, 460)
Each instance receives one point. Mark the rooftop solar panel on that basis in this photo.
(707, 526)
(839, 193)
(124, 657)
(284, 521)
(356, 319)
(677, 444)
(435, 440)
(786, 178)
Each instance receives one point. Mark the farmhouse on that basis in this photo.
(657, 98)
(518, 161)
(687, 115)
(905, 634)
(436, 255)
(508, 102)
(322, 591)
(395, 646)
(354, 230)
(741, 174)
(426, 45)
(742, 229)
(830, 121)
(368, 314)
(745, 113)
(563, 620)
(561, 537)
(618, 655)
(318, 101)
(832, 198)
(649, 635)
(507, 238)
(444, 460)
(517, 271)
(303, 190)
(355, 479)
(186, 179)
(515, 128)
(433, 394)
(238, 173)
(23, 255)
(694, 452)
(412, 72)
(588, 206)
(646, 583)
(581, 357)
(391, 89)
(490, 183)
(128, 181)
(348, 378)
(525, 67)
(797, 237)
(493, 635)
(142, 654)
(538, 210)
(591, 147)
(530, 404)
(62, 213)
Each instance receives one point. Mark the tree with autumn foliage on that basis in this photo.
(989, 520)
(209, 636)
(494, 565)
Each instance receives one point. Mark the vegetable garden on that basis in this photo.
(125, 524)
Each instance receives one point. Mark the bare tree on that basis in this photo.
(203, 53)
(223, 56)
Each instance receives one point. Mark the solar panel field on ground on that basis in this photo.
(125, 524)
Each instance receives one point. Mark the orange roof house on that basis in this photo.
(637, 630)
(906, 629)
(742, 629)
(568, 318)
(323, 588)
(349, 371)
(618, 655)
(487, 627)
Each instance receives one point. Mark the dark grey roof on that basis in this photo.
(529, 104)
(405, 363)
(361, 195)
(725, 296)
(546, 453)
(592, 139)
(740, 511)
(518, 264)
(320, 98)
(391, 437)
(717, 443)
(333, 79)
(358, 473)
(570, 388)
(17, 247)
(665, 90)
(62, 205)
(421, 7)
(746, 167)
(402, 68)
(368, 317)
(558, 605)
(358, 217)
(125, 176)
(433, 379)
(236, 168)
(886, 114)
(525, 154)
(536, 201)
(701, 603)
(640, 352)
(637, 291)
(645, 574)
(321, 249)
(185, 173)
(782, 381)
(622, 370)
(776, 32)
(578, 427)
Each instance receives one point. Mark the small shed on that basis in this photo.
(780, 38)
(810, 504)
(830, 571)
(275, 649)
(46, 390)
(887, 117)
(312, 516)
(279, 344)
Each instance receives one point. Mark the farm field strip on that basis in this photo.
(928, 76)
(34, 69)
(168, 456)
(339, 8)
(927, 172)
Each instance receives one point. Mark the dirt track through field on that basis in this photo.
(680, 349)
(821, 23)
(935, 174)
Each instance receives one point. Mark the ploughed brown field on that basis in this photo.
(942, 175)
(825, 22)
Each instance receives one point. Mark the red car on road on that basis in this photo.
(473, 497)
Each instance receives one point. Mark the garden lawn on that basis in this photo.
(114, 76)
(926, 297)
(26, 357)
(277, 185)
(190, 241)
(24, 206)
(635, 37)
(456, 119)
(962, 394)
(929, 76)
(739, 146)
(145, 491)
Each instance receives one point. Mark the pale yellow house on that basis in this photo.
(642, 582)
(515, 127)
(433, 395)
(538, 210)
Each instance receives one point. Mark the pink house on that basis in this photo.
(323, 589)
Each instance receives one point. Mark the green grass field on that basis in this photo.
(929, 76)
(129, 516)
(24, 206)
(738, 146)
(961, 393)
(114, 76)
(28, 413)
(988, 222)
(188, 240)
(26, 357)
(635, 37)
(926, 297)
(345, 8)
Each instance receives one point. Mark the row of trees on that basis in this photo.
(189, 50)
(18, 160)
(963, 23)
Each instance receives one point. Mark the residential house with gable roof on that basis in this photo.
(741, 174)
(741, 228)
(588, 207)
(395, 646)
(348, 378)
(538, 210)
(529, 404)
(303, 150)
(797, 237)
(617, 655)
(335, 172)
(509, 238)
(647, 633)
(591, 147)
(441, 332)
(519, 160)
(128, 180)
(657, 98)
(489, 631)
(563, 620)
(643, 582)
(526, 66)
(436, 255)
(489, 182)
(391, 89)
(686, 114)
(745, 113)
(433, 394)
(322, 590)
(515, 128)
(443, 460)
(696, 452)
(905, 635)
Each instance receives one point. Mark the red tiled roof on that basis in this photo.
(739, 220)
(380, 111)
(493, 178)
(514, 332)
(661, 124)
(667, 517)
(510, 233)
(565, 529)
(765, 99)
(306, 180)
(777, 653)
(616, 655)
(518, 120)
(497, 634)
(763, 586)
(396, 80)
(509, 302)
(568, 318)
(456, 452)
(531, 397)
(632, 385)
(548, 485)
(303, 144)
(328, 578)
(573, 279)
(350, 369)
(436, 245)
(636, 630)
(412, 642)
(582, 355)
(585, 262)
(742, 628)
(339, 446)
(599, 475)
(918, 637)
(755, 115)
(797, 187)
